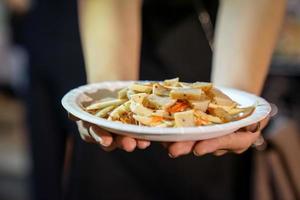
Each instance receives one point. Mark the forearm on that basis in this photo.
(245, 37)
(110, 36)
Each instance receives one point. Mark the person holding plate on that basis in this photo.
(170, 41)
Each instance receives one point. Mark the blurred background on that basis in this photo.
(280, 160)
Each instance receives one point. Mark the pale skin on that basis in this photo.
(245, 37)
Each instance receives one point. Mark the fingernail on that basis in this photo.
(200, 153)
(95, 136)
(171, 156)
(105, 144)
(220, 152)
(274, 110)
(129, 150)
(148, 145)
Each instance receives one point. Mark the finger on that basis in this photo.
(111, 147)
(101, 136)
(126, 143)
(235, 142)
(240, 151)
(180, 148)
(143, 144)
(84, 133)
(257, 126)
(260, 144)
(264, 123)
(220, 152)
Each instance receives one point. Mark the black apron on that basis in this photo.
(173, 45)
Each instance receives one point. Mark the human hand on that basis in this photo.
(236, 142)
(107, 141)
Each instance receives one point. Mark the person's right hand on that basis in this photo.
(107, 141)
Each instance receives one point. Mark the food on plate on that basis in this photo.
(169, 103)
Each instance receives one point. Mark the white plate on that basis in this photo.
(75, 98)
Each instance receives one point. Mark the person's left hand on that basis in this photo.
(236, 142)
